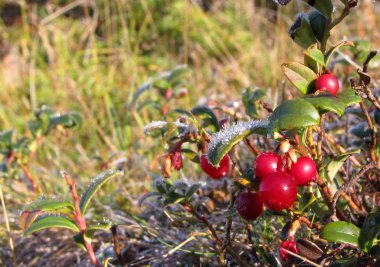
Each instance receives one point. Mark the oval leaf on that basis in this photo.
(209, 118)
(50, 222)
(224, 140)
(327, 102)
(334, 48)
(294, 114)
(337, 162)
(301, 31)
(300, 76)
(370, 230)
(314, 57)
(94, 186)
(341, 232)
(349, 97)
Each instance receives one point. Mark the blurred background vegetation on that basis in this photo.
(92, 55)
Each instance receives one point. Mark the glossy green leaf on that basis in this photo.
(306, 200)
(341, 232)
(337, 162)
(334, 48)
(300, 76)
(349, 97)
(301, 31)
(323, 6)
(326, 103)
(294, 114)
(51, 222)
(250, 99)
(369, 231)
(208, 116)
(223, 141)
(318, 24)
(314, 58)
(50, 205)
(96, 183)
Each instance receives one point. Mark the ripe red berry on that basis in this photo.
(216, 172)
(327, 82)
(278, 190)
(267, 163)
(249, 205)
(303, 171)
(288, 245)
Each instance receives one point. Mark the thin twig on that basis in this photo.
(345, 187)
(219, 242)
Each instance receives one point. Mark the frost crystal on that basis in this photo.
(161, 124)
(228, 134)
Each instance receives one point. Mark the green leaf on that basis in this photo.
(337, 162)
(6, 138)
(157, 128)
(209, 118)
(318, 23)
(349, 97)
(191, 155)
(223, 141)
(250, 97)
(370, 230)
(326, 103)
(50, 222)
(294, 114)
(78, 239)
(193, 189)
(334, 48)
(101, 226)
(301, 31)
(314, 58)
(341, 232)
(171, 76)
(67, 120)
(95, 185)
(352, 262)
(173, 199)
(324, 6)
(50, 205)
(306, 200)
(300, 76)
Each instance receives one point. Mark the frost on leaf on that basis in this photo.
(161, 125)
(224, 140)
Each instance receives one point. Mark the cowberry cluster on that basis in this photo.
(278, 184)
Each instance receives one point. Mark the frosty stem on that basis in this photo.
(80, 219)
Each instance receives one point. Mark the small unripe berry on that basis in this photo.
(327, 82)
(249, 205)
(304, 171)
(267, 163)
(288, 245)
(216, 172)
(278, 190)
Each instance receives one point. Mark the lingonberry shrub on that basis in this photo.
(19, 150)
(314, 165)
(338, 213)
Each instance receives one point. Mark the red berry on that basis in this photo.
(327, 82)
(249, 205)
(303, 171)
(267, 163)
(278, 190)
(216, 172)
(288, 245)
